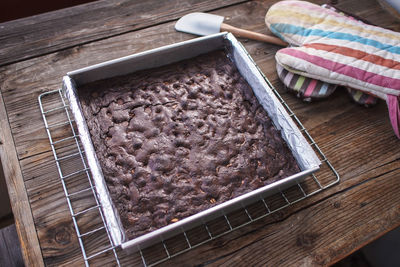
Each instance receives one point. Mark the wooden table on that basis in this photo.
(36, 52)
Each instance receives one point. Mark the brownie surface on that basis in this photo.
(179, 139)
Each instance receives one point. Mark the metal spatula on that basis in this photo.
(205, 24)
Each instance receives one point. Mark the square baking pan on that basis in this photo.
(305, 156)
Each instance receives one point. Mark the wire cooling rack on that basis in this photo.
(87, 216)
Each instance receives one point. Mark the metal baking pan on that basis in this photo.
(302, 151)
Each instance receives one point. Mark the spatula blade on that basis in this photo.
(199, 23)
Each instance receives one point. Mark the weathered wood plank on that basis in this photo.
(54, 31)
(18, 196)
(22, 93)
(337, 125)
(41, 178)
(50, 210)
(53, 219)
(31, 108)
(389, 8)
(23, 82)
(318, 235)
(45, 73)
(56, 232)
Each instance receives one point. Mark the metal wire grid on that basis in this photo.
(273, 204)
(65, 108)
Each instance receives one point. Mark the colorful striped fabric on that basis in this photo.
(303, 87)
(336, 49)
(311, 89)
(361, 98)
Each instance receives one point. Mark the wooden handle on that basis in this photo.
(252, 35)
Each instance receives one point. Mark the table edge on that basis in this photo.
(20, 205)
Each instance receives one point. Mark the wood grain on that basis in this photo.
(317, 235)
(21, 83)
(16, 190)
(47, 71)
(389, 9)
(359, 142)
(252, 35)
(50, 32)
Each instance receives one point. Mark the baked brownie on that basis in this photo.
(179, 139)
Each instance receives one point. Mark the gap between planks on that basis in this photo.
(61, 29)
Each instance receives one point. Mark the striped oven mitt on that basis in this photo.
(339, 50)
(309, 89)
